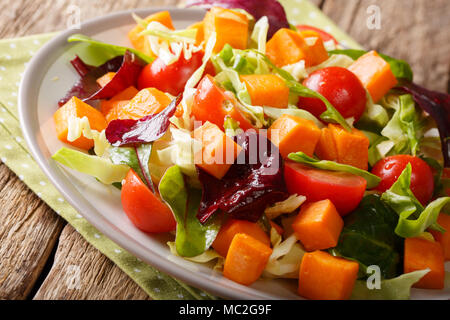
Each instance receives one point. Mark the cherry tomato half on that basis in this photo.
(345, 190)
(211, 104)
(324, 35)
(390, 168)
(339, 86)
(145, 209)
(169, 78)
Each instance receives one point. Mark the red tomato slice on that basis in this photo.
(171, 78)
(345, 190)
(211, 104)
(323, 34)
(144, 208)
(422, 181)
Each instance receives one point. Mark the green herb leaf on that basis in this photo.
(192, 237)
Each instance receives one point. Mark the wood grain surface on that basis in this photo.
(39, 250)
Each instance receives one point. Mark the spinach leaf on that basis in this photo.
(372, 180)
(400, 68)
(368, 237)
(136, 158)
(192, 237)
(401, 199)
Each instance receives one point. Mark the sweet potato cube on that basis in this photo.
(200, 27)
(423, 254)
(246, 259)
(288, 47)
(375, 74)
(326, 147)
(79, 109)
(352, 147)
(443, 238)
(324, 277)
(218, 150)
(315, 43)
(230, 26)
(318, 225)
(125, 95)
(140, 42)
(294, 134)
(105, 79)
(267, 90)
(231, 228)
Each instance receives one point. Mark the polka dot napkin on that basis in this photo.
(14, 56)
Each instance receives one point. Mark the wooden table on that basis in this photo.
(37, 247)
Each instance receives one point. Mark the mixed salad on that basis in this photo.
(268, 150)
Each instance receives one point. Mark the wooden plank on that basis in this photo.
(29, 230)
(413, 30)
(81, 272)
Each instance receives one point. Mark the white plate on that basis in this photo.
(99, 204)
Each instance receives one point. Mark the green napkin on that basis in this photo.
(14, 56)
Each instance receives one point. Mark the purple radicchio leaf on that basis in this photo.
(254, 181)
(437, 105)
(272, 9)
(145, 130)
(127, 69)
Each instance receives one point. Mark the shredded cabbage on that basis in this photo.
(206, 257)
(80, 126)
(287, 206)
(286, 257)
(297, 70)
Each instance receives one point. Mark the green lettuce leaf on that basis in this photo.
(372, 180)
(102, 169)
(393, 289)
(192, 237)
(401, 199)
(275, 113)
(405, 129)
(108, 49)
(400, 68)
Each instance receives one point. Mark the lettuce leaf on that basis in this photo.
(405, 129)
(275, 113)
(398, 288)
(192, 237)
(400, 68)
(102, 169)
(372, 180)
(107, 48)
(401, 199)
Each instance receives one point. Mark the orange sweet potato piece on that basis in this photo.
(114, 109)
(105, 79)
(125, 95)
(326, 147)
(318, 52)
(231, 228)
(267, 90)
(148, 101)
(77, 108)
(421, 254)
(375, 74)
(230, 26)
(318, 225)
(443, 238)
(294, 134)
(218, 150)
(140, 42)
(324, 277)
(288, 47)
(246, 259)
(352, 147)
(200, 37)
